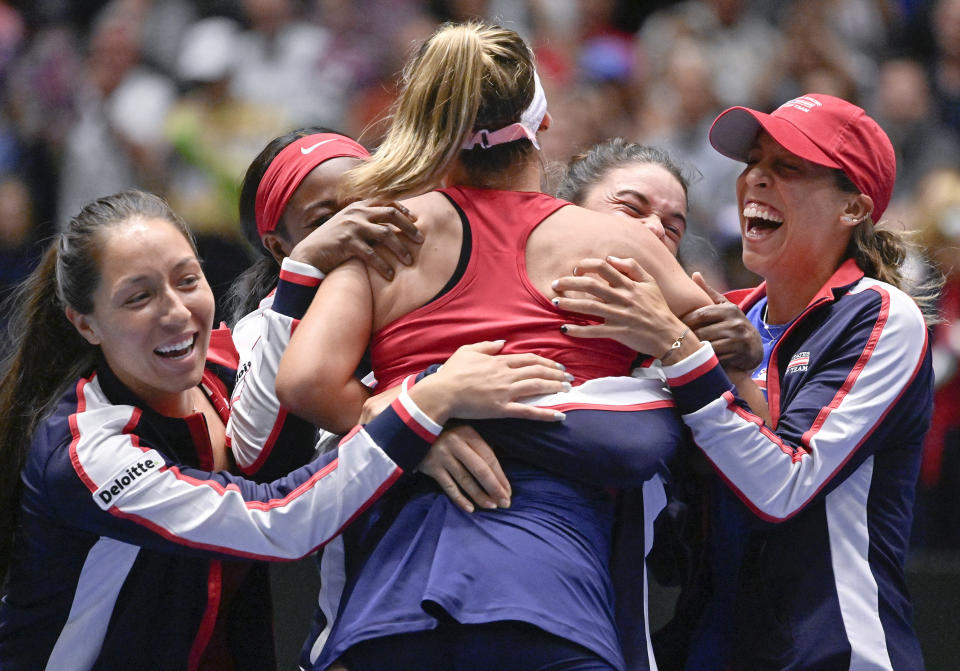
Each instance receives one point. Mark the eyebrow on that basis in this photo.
(646, 201)
(186, 260)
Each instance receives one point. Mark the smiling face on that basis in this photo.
(313, 203)
(792, 215)
(647, 192)
(152, 311)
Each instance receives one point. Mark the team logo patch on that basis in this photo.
(798, 363)
(127, 478)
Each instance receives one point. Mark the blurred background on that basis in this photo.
(178, 96)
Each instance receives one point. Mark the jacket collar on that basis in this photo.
(843, 278)
(185, 438)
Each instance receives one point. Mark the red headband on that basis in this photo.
(291, 166)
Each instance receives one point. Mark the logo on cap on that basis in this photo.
(803, 103)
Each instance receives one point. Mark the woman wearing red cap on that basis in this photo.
(809, 536)
(524, 587)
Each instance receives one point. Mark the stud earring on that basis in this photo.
(850, 219)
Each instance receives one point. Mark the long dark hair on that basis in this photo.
(258, 280)
(45, 352)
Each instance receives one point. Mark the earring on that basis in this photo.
(850, 219)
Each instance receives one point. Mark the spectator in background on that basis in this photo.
(291, 64)
(935, 214)
(689, 106)
(214, 136)
(945, 65)
(921, 141)
(19, 250)
(742, 41)
(117, 141)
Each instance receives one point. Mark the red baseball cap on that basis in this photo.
(822, 129)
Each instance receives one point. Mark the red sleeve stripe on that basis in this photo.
(855, 371)
(299, 278)
(650, 405)
(169, 535)
(268, 445)
(415, 419)
(695, 373)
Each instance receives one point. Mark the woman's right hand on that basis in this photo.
(735, 341)
(362, 230)
(476, 384)
(467, 469)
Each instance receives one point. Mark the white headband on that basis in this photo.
(527, 127)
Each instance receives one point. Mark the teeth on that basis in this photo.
(756, 211)
(176, 346)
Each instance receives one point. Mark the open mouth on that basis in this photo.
(761, 219)
(177, 350)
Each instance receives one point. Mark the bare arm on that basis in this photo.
(315, 379)
(636, 314)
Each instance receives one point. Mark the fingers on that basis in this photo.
(483, 479)
(485, 347)
(404, 219)
(630, 268)
(714, 295)
(449, 486)
(369, 256)
(601, 289)
(522, 411)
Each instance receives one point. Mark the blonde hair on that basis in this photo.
(465, 77)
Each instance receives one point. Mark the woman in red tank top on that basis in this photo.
(468, 118)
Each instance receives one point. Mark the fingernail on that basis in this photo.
(408, 259)
(418, 237)
(567, 386)
(563, 328)
(504, 503)
(555, 301)
(501, 341)
(614, 258)
(560, 366)
(569, 377)
(559, 416)
(554, 283)
(490, 505)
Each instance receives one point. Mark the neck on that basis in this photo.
(523, 176)
(787, 298)
(181, 404)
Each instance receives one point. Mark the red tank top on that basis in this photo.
(494, 299)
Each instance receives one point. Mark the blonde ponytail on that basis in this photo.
(464, 75)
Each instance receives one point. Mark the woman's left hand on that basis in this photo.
(628, 300)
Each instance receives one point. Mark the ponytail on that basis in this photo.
(250, 287)
(883, 254)
(46, 353)
(466, 76)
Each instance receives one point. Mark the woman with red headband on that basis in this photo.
(126, 542)
(811, 513)
(291, 203)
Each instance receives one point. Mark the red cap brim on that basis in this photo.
(735, 130)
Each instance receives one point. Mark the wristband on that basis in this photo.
(676, 343)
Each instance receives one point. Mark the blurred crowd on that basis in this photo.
(178, 96)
